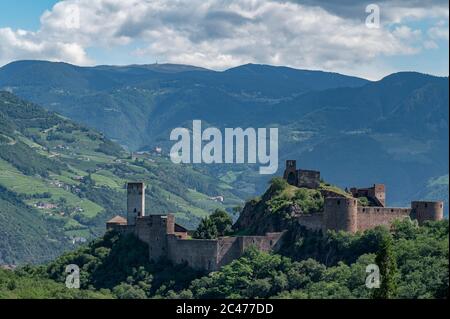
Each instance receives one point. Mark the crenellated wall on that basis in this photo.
(370, 217)
(197, 253)
(211, 254)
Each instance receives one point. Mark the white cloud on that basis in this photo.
(218, 34)
(21, 44)
(439, 32)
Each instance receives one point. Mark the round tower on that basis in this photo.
(341, 213)
(427, 210)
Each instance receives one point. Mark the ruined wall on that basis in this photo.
(308, 179)
(379, 192)
(313, 221)
(376, 193)
(370, 217)
(199, 254)
(290, 173)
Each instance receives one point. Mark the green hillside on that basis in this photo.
(60, 181)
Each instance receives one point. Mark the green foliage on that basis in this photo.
(25, 234)
(28, 161)
(110, 148)
(222, 221)
(310, 201)
(206, 229)
(20, 285)
(363, 201)
(117, 266)
(387, 263)
(278, 184)
(121, 264)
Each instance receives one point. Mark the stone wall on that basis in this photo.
(308, 179)
(370, 217)
(229, 249)
(271, 241)
(426, 210)
(199, 254)
(340, 214)
(211, 254)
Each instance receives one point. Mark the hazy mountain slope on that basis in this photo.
(148, 99)
(60, 182)
(393, 131)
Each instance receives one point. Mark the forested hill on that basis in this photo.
(60, 181)
(313, 266)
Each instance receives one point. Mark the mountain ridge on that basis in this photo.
(385, 131)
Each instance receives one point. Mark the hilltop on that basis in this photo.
(278, 207)
(59, 182)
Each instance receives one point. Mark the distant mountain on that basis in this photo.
(357, 132)
(60, 181)
(148, 99)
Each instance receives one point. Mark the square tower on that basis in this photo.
(290, 173)
(135, 202)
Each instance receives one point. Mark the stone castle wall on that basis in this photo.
(370, 217)
(340, 214)
(211, 254)
(197, 253)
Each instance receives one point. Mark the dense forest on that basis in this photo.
(311, 265)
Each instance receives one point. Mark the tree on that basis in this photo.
(206, 229)
(127, 291)
(278, 184)
(222, 221)
(387, 263)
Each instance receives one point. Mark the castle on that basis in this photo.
(167, 239)
(343, 212)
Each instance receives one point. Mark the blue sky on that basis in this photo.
(307, 34)
(23, 14)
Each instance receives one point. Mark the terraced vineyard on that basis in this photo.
(72, 179)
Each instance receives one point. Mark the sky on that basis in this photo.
(344, 36)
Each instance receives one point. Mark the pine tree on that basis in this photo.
(206, 229)
(387, 263)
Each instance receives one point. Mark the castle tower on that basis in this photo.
(135, 202)
(340, 213)
(153, 230)
(290, 173)
(427, 210)
(379, 192)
